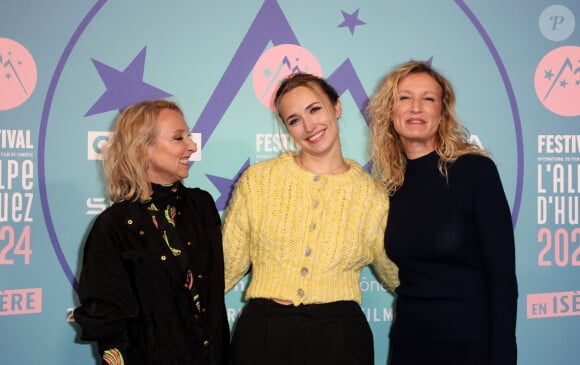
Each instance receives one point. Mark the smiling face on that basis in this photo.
(311, 119)
(417, 113)
(171, 148)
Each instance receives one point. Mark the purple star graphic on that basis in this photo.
(124, 87)
(225, 186)
(350, 20)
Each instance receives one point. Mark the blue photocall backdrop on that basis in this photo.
(68, 67)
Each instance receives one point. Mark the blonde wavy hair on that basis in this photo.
(386, 150)
(125, 159)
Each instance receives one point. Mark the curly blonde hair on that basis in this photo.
(125, 159)
(386, 150)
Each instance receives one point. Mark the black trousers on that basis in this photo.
(315, 334)
(405, 353)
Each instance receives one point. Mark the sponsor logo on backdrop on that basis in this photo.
(269, 145)
(15, 139)
(20, 301)
(96, 205)
(557, 23)
(557, 81)
(556, 304)
(18, 74)
(16, 199)
(558, 195)
(277, 63)
(16, 196)
(558, 191)
(96, 141)
(378, 314)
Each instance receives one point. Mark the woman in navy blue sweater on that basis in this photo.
(449, 227)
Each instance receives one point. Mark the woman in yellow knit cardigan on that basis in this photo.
(305, 224)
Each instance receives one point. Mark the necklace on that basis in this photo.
(342, 167)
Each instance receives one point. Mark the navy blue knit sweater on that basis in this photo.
(453, 242)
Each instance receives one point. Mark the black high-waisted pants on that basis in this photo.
(315, 334)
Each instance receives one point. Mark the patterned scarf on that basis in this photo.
(163, 207)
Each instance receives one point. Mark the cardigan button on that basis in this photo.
(163, 258)
(300, 292)
(304, 271)
(129, 221)
(307, 251)
(312, 226)
(206, 343)
(314, 203)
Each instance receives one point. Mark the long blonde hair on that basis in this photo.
(386, 150)
(125, 159)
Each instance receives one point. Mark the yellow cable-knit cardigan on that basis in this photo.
(305, 236)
